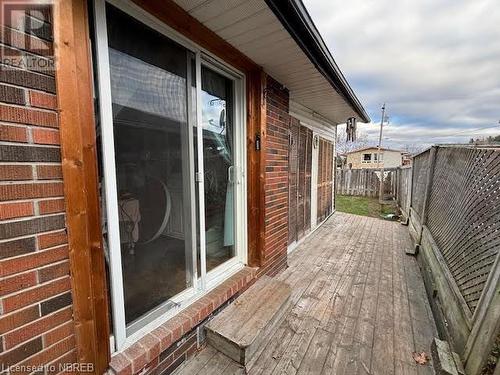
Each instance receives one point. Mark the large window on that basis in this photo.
(170, 125)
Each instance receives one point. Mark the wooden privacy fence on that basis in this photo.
(366, 182)
(452, 198)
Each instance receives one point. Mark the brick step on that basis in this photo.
(241, 328)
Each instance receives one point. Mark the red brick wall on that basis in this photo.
(165, 348)
(36, 325)
(276, 199)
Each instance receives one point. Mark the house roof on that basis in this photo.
(281, 37)
(373, 148)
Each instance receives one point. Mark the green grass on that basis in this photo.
(364, 206)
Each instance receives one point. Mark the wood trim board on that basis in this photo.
(79, 166)
(256, 128)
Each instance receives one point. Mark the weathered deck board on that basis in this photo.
(342, 265)
(358, 307)
(342, 354)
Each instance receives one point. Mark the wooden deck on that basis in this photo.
(358, 307)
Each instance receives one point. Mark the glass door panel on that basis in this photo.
(217, 119)
(151, 91)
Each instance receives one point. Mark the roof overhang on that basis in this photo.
(294, 16)
(281, 37)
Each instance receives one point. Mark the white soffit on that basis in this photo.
(313, 121)
(252, 28)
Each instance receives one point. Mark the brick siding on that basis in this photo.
(36, 326)
(165, 348)
(276, 186)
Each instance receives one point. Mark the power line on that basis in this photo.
(464, 133)
(472, 130)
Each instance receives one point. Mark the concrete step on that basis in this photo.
(446, 362)
(240, 329)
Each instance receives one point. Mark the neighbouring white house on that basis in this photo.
(369, 157)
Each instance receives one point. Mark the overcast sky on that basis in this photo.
(436, 63)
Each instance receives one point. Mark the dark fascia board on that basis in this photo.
(297, 21)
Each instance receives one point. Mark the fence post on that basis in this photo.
(409, 190)
(411, 179)
(398, 183)
(486, 324)
(428, 190)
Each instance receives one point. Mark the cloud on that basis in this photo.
(436, 63)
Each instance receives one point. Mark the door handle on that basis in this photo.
(230, 174)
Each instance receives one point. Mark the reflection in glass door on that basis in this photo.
(150, 77)
(217, 120)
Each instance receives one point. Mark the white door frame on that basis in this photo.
(314, 181)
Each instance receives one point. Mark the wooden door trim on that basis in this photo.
(181, 21)
(79, 166)
(256, 165)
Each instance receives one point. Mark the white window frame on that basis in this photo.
(123, 335)
(378, 158)
(366, 161)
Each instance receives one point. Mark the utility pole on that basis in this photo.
(379, 161)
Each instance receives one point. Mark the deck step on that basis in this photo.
(240, 329)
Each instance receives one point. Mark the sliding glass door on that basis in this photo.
(217, 107)
(172, 163)
(150, 79)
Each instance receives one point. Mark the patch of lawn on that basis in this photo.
(364, 206)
